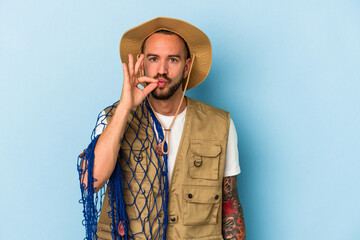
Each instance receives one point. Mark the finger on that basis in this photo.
(147, 79)
(138, 63)
(126, 72)
(131, 65)
(149, 88)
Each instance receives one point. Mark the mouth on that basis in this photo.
(161, 83)
(162, 80)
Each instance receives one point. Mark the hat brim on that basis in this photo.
(198, 43)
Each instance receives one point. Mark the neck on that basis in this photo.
(169, 106)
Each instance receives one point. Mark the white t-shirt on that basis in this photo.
(232, 166)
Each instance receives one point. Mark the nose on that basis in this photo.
(163, 67)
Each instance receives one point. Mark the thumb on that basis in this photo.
(149, 88)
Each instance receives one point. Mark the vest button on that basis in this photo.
(190, 195)
(217, 197)
(172, 219)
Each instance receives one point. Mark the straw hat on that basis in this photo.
(198, 43)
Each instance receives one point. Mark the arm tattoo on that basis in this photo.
(233, 226)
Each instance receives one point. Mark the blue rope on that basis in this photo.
(88, 198)
(164, 171)
(118, 182)
(117, 203)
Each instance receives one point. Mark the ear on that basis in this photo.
(187, 67)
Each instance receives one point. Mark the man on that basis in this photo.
(170, 162)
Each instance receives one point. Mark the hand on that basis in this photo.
(132, 95)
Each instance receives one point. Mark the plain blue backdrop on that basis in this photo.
(288, 71)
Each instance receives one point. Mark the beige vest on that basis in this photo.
(195, 191)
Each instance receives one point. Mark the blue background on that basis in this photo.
(288, 71)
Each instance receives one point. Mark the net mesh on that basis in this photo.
(138, 188)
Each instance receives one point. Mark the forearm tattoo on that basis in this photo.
(233, 226)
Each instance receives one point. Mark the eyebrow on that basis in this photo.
(152, 55)
(176, 56)
(155, 55)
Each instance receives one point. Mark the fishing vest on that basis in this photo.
(195, 190)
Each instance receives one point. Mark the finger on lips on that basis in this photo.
(149, 88)
(147, 79)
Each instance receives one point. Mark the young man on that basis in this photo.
(170, 162)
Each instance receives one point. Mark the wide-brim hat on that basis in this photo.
(197, 41)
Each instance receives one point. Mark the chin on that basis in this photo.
(161, 96)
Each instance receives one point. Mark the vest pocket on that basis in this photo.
(204, 162)
(201, 204)
(134, 160)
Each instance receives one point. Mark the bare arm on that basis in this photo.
(108, 144)
(232, 217)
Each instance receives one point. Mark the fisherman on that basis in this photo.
(168, 162)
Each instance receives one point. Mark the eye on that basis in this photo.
(173, 60)
(152, 59)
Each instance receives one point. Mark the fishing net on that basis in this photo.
(137, 190)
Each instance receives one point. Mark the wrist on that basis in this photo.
(124, 107)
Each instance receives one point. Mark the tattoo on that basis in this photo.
(232, 215)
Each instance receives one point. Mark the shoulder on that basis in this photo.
(104, 118)
(110, 110)
(207, 109)
(136, 113)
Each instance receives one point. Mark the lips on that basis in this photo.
(161, 82)
(162, 79)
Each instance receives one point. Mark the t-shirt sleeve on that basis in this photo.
(232, 166)
(100, 124)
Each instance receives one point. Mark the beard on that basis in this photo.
(159, 94)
